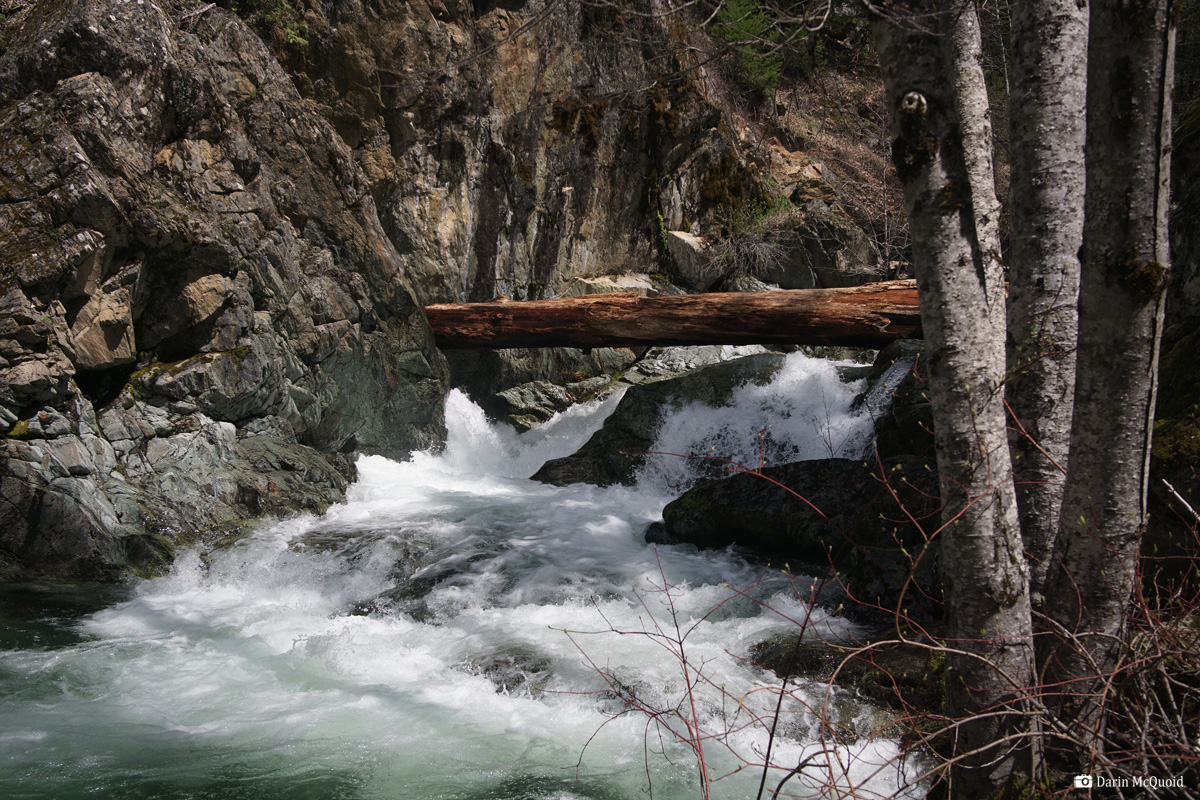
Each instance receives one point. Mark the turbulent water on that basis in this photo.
(453, 630)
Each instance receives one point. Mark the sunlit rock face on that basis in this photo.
(200, 308)
(521, 148)
(514, 147)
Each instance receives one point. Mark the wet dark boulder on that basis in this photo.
(897, 399)
(872, 524)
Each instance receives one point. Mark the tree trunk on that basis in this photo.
(935, 88)
(861, 316)
(1122, 295)
(1047, 114)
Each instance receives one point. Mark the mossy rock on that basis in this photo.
(908, 680)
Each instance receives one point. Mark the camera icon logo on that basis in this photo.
(1083, 781)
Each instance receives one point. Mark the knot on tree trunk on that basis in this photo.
(917, 145)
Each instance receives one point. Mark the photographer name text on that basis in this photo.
(1138, 781)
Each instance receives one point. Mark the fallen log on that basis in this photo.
(860, 316)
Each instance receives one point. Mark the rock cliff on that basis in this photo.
(197, 297)
(520, 148)
(512, 147)
(218, 225)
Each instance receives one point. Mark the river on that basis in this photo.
(453, 630)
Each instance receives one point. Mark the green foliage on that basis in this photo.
(662, 228)
(275, 16)
(744, 239)
(727, 183)
(757, 61)
(746, 218)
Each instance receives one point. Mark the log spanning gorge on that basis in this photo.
(861, 316)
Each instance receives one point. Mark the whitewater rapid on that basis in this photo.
(452, 630)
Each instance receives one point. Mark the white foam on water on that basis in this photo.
(446, 632)
(804, 413)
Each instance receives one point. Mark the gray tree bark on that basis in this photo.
(1124, 276)
(942, 152)
(1047, 119)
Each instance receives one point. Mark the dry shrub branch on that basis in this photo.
(1146, 745)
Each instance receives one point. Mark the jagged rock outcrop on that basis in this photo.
(200, 307)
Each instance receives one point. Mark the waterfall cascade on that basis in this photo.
(446, 632)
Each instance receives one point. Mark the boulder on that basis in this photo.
(906, 679)
(103, 331)
(692, 263)
(608, 284)
(743, 283)
(531, 403)
(897, 398)
(872, 523)
(487, 375)
(661, 363)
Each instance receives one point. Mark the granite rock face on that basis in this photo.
(513, 148)
(518, 148)
(199, 306)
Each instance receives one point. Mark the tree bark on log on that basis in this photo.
(859, 316)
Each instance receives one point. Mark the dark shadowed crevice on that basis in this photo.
(101, 386)
(482, 7)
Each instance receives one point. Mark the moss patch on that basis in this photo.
(727, 184)
(1146, 279)
(144, 374)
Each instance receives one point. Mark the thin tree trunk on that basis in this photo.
(1122, 295)
(935, 87)
(865, 316)
(1047, 116)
